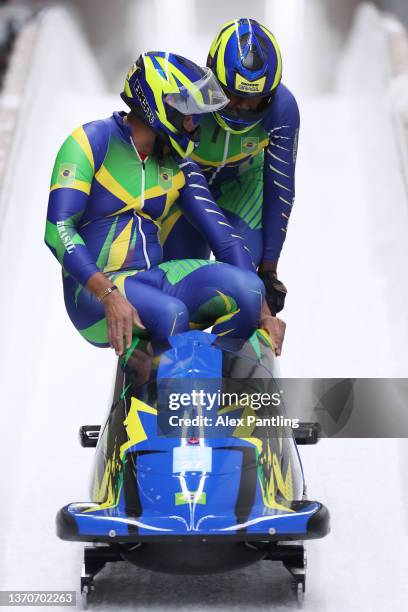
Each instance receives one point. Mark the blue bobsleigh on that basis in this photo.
(196, 468)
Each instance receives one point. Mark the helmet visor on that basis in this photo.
(203, 96)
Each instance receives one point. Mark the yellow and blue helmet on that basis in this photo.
(246, 60)
(162, 88)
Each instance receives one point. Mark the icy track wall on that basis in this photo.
(351, 218)
(50, 56)
(375, 63)
(54, 84)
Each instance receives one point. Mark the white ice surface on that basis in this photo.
(345, 263)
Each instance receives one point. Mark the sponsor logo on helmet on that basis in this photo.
(143, 101)
(249, 144)
(241, 84)
(165, 178)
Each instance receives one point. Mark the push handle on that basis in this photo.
(89, 435)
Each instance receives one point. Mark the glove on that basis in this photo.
(275, 291)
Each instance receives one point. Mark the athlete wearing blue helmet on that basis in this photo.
(247, 153)
(246, 59)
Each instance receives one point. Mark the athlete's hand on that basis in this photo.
(276, 329)
(120, 318)
(274, 326)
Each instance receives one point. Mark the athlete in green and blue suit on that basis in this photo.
(247, 153)
(114, 181)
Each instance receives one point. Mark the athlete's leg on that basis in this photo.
(85, 312)
(170, 295)
(163, 315)
(216, 293)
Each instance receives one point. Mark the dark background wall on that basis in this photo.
(399, 7)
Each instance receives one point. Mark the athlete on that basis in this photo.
(113, 182)
(247, 152)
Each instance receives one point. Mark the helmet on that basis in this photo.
(246, 60)
(161, 88)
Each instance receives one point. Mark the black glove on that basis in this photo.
(275, 291)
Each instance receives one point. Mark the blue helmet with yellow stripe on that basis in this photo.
(246, 60)
(163, 88)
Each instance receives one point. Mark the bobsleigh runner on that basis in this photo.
(189, 477)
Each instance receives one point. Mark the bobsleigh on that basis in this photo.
(189, 476)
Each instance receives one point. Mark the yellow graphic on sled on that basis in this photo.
(104, 492)
(274, 484)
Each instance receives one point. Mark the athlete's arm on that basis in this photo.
(69, 192)
(282, 125)
(199, 207)
(70, 188)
